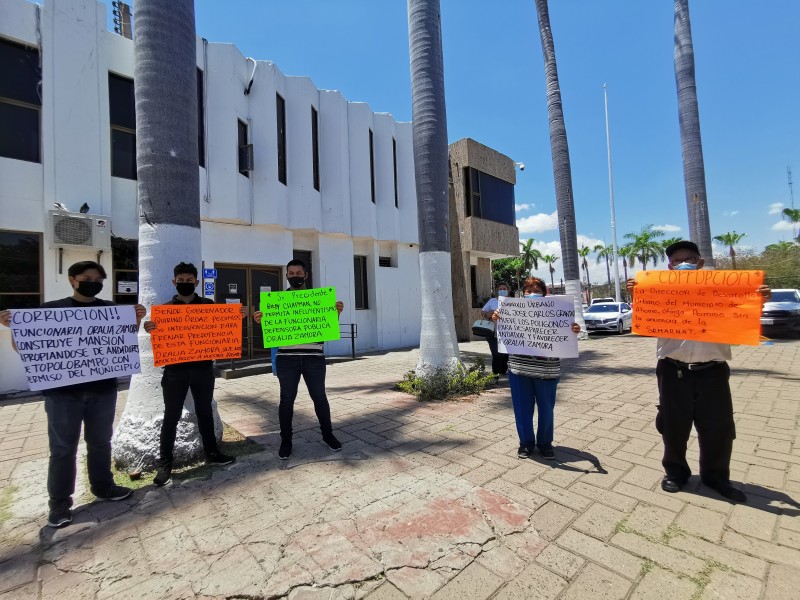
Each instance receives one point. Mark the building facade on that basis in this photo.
(286, 171)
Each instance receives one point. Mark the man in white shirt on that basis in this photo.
(693, 388)
(499, 360)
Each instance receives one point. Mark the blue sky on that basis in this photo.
(747, 60)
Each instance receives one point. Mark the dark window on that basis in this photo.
(20, 102)
(315, 145)
(372, 164)
(394, 158)
(280, 110)
(244, 167)
(384, 261)
(473, 284)
(20, 270)
(488, 197)
(360, 277)
(201, 130)
(122, 114)
(125, 262)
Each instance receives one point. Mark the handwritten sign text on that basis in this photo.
(299, 317)
(192, 332)
(537, 326)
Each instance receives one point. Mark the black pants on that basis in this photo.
(499, 360)
(312, 369)
(703, 398)
(175, 384)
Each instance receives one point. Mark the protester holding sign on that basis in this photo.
(178, 379)
(533, 381)
(499, 360)
(306, 360)
(693, 388)
(91, 404)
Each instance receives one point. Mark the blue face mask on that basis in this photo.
(685, 267)
(502, 293)
(534, 295)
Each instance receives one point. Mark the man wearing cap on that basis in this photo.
(693, 388)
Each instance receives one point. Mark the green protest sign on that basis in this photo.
(299, 317)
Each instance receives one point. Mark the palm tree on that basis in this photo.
(669, 241)
(562, 172)
(793, 215)
(165, 88)
(644, 246)
(530, 256)
(607, 253)
(694, 174)
(550, 259)
(626, 252)
(583, 252)
(438, 346)
(782, 246)
(730, 239)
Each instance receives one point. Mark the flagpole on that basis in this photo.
(611, 192)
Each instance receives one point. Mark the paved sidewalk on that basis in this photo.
(430, 500)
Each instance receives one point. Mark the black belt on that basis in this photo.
(696, 366)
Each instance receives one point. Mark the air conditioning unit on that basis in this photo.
(76, 230)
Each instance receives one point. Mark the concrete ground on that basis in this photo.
(430, 500)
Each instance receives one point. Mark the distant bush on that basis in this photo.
(780, 263)
(444, 384)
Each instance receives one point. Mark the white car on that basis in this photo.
(609, 316)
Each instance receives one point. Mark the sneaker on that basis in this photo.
(115, 493)
(523, 452)
(164, 474)
(59, 516)
(332, 442)
(285, 451)
(218, 458)
(547, 452)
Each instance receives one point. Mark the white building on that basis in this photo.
(285, 171)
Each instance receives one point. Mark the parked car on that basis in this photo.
(781, 315)
(601, 300)
(609, 316)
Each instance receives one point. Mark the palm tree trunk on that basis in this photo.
(608, 272)
(165, 88)
(562, 173)
(694, 175)
(552, 283)
(438, 345)
(733, 258)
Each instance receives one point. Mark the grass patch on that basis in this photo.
(647, 566)
(6, 497)
(442, 384)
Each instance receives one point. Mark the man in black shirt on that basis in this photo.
(91, 404)
(178, 379)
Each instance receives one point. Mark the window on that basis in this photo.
(280, 110)
(372, 164)
(244, 149)
(315, 145)
(488, 197)
(360, 272)
(20, 269)
(201, 130)
(122, 114)
(394, 159)
(125, 263)
(473, 284)
(384, 261)
(20, 102)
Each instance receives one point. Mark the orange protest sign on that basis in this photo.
(190, 332)
(705, 305)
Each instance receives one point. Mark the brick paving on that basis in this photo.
(430, 500)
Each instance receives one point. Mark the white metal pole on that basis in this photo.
(611, 192)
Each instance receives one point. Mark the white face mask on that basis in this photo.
(534, 295)
(685, 267)
(502, 293)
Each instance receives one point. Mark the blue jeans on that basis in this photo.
(312, 369)
(526, 394)
(66, 412)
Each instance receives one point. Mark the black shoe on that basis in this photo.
(728, 491)
(668, 484)
(59, 516)
(115, 493)
(523, 452)
(285, 451)
(218, 458)
(332, 442)
(164, 474)
(547, 452)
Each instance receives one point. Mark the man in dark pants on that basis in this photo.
(693, 388)
(178, 379)
(91, 404)
(308, 361)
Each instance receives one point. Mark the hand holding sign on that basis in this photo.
(299, 317)
(537, 326)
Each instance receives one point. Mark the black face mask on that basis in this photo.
(90, 289)
(185, 288)
(296, 282)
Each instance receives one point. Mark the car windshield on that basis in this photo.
(603, 308)
(784, 296)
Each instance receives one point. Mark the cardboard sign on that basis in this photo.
(299, 317)
(707, 306)
(64, 346)
(537, 326)
(192, 332)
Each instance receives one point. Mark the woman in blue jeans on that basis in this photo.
(533, 381)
